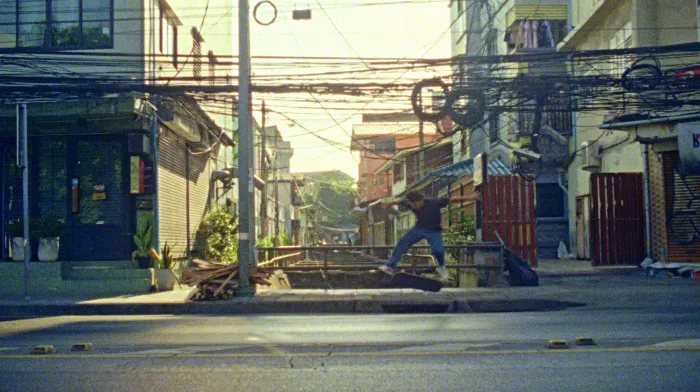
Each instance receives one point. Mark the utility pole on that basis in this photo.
(263, 174)
(23, 163)
(246, 189)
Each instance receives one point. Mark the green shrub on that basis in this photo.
(51, 227)
(269, 241)
(462, 230)
(143, 239)
(219, 229)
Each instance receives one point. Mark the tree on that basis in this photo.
(331, 195)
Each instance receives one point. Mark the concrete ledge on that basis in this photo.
(300, 306)
(518, 305)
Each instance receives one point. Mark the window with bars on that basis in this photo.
(167, 29)
(398, 172)
(56, 24)
(384, 146)
(197, 53)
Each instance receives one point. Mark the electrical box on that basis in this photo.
(591, 156)
(139, 144)
(301, 14)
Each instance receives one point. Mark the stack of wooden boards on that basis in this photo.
(215, 281)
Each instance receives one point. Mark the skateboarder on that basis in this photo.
(428, 227)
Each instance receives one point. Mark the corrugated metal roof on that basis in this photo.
(496, 167)
(391, 129)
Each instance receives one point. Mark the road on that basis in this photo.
(635, 350)
(647, 334)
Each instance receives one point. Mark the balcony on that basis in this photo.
(535, 27)
(559, 121)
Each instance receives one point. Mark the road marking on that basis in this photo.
(273, 354)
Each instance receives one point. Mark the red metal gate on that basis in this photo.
(617, 218)
(509, 209)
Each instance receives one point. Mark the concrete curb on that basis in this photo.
(301, 306)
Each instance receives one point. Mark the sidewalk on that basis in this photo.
(456, 300)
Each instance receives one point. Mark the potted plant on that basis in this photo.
(143, 239)
(164, 275)
(15, 230)
(49, 231)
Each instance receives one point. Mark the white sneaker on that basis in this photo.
(387, 269)
(442, 273)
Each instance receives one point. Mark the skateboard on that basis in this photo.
(410, 281)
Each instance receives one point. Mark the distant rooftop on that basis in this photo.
(389, 117)
(364, 130)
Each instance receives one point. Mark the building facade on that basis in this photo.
(642, 141)
(111, 154)
(518, 27)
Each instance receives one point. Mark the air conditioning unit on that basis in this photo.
(591, 156)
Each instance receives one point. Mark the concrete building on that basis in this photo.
(279, 185)
(517, 27)
(643, 142)
(376, 143)
(91, 146)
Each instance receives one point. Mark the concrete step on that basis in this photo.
(109, 264)
(106, 287)
(99, 273)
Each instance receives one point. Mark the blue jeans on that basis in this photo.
(413, 235)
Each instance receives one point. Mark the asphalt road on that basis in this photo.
(650, 348)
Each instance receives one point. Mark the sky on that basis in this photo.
(363, 28)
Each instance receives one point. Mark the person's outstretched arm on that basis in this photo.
(392, 203)
(475, 196)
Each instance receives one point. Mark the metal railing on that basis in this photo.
(354, 258)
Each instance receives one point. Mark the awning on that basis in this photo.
(496, 167)
(631, 120)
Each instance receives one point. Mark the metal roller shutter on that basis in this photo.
(172, 193)
(682, 212)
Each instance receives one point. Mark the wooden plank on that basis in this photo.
(526, 221)
(619, 249)
(533, 231)
(486, 207)
(517, 216)
(640, 221)
(506, 186)
(596, 245)
(497, 207)
(626, 224)
(632, 198)
(608, 214)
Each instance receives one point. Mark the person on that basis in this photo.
(428, 227)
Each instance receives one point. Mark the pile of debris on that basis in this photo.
(215, 281)
(669, 270)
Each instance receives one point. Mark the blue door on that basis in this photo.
(98, 200)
